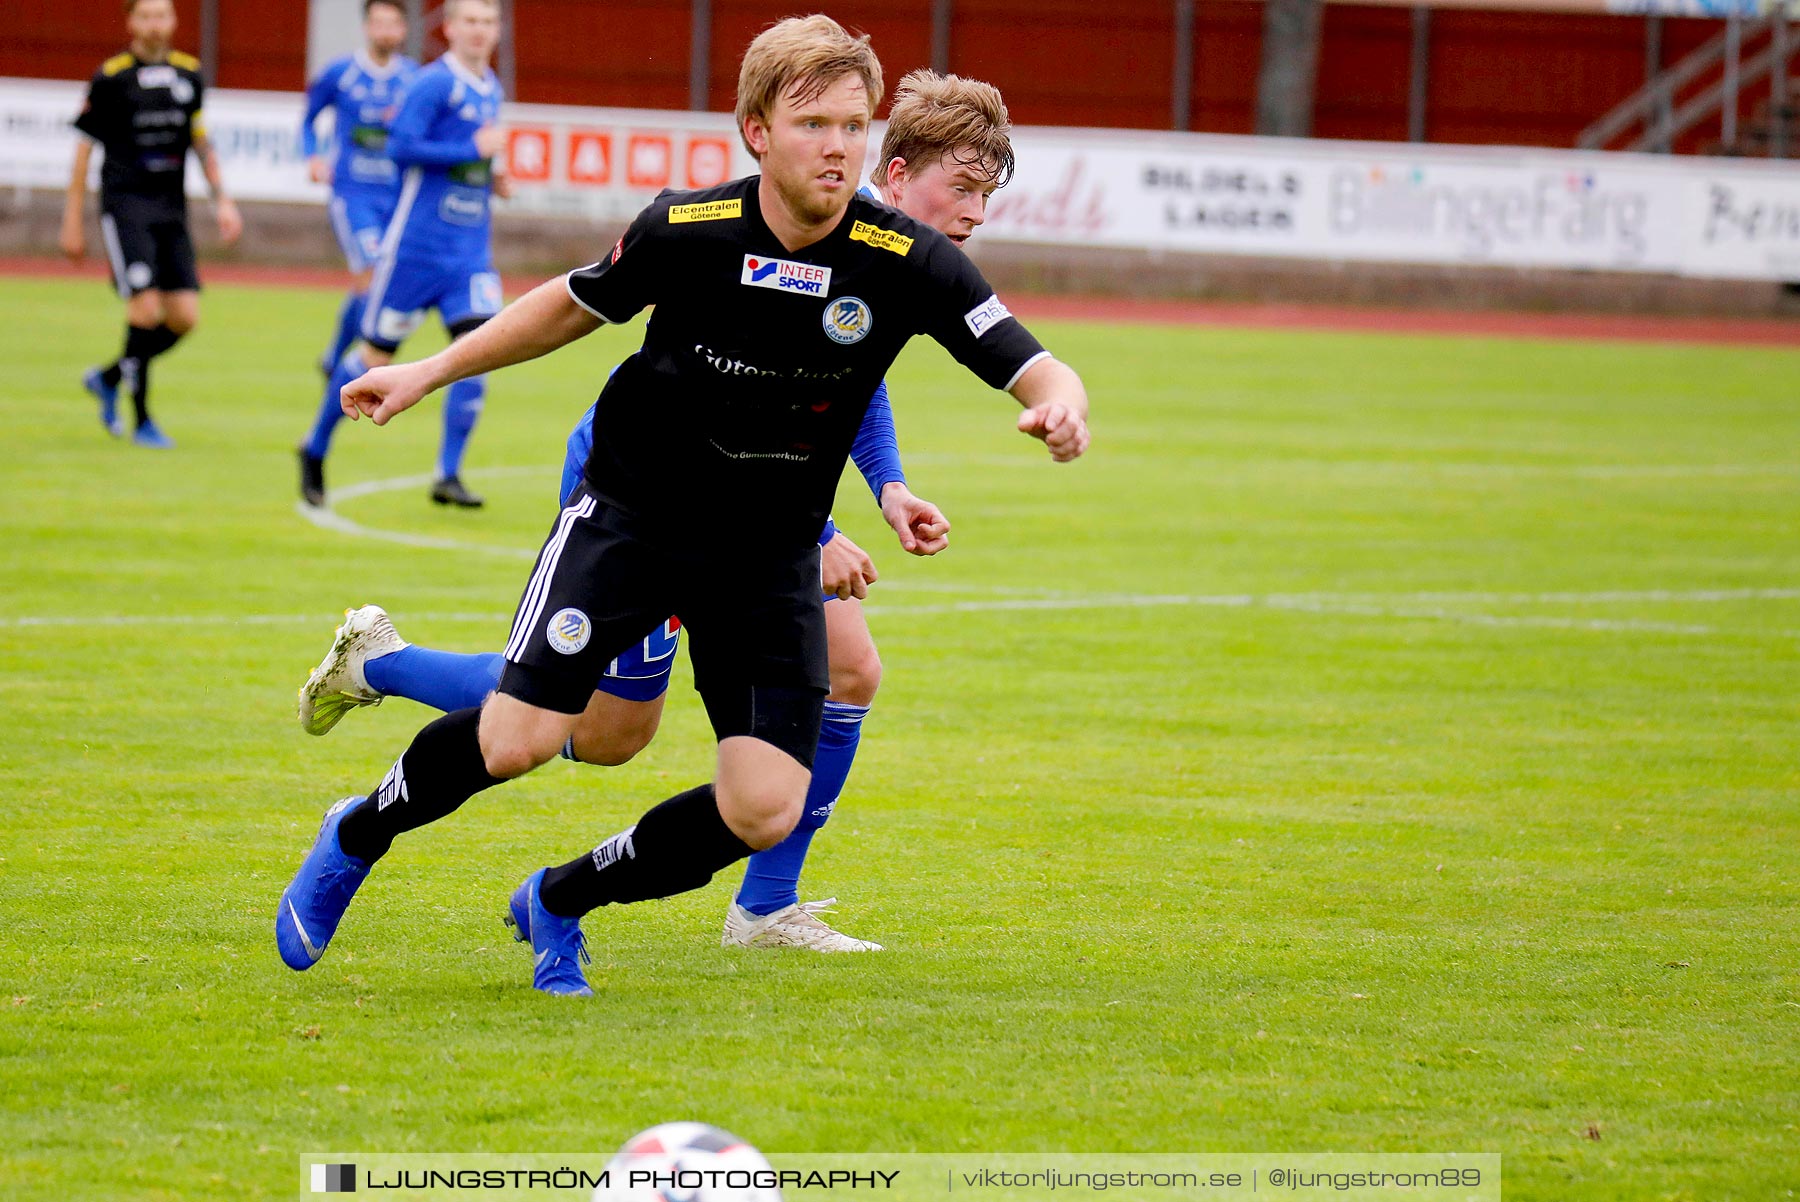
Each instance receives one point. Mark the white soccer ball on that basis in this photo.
(688, 1162)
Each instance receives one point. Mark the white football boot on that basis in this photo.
(338, 685)
(796, 926)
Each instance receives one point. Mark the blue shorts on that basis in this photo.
(359, 219)
(404, 290)
(642, 673)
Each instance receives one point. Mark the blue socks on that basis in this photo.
(330, 408)
(772, 877)
(349, 325)
(441, 679)
(462, 407)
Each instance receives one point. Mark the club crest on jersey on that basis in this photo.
(784, 275)
(569, 630)
(848, 320)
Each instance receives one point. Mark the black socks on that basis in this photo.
(133, 365)
(676, 847)
(442, 769)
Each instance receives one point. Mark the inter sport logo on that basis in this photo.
(784, 275)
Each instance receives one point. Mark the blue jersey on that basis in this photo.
(445, 183)
(363, 99)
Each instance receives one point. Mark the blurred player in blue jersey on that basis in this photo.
(947, 148)
(362, 90)
(435, 253)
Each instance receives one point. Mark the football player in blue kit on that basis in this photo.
(436, 252)
(362, 91)
(946, 150)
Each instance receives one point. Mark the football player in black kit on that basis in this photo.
(143, 110)
(780, 302)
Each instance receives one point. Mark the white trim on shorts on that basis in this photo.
(115, 252)
(347, 240)
(390, 242)
(537, 591)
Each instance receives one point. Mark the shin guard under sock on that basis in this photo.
(676, 847)
(442, 769)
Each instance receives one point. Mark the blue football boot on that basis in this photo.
(150, 435)
(315, 900)
(108, 396)
(557, 942)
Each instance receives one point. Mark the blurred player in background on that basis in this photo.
(143, 111)
(435, 253)
(946, 150)
(362, 90)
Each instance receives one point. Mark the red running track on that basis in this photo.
(1718, 331)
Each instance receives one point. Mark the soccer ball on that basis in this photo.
(687, 1162)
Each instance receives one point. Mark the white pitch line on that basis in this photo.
(1418, 605)
(1578, 471)
(67, 620)
(1603, 597)
(330, 519)
(1044, 598)
(1398, 605)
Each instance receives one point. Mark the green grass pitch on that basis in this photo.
(1376, 743)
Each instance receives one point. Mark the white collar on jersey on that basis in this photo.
(484, 83)
(869, 191)
(370, 69)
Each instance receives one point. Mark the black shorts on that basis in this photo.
(147, 243)
(755, 623)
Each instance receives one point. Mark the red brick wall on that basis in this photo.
(1496, 77)
(262, 42)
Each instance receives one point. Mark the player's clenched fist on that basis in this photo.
(845, 569)
(1060, 428)
(921, 527)
(385, 391)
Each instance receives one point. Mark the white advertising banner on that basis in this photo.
(1744, 224)
(1382, 202)
(1214, 194)
(600, 163)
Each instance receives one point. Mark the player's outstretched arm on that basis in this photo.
(536, 324)
(1056, 407)
(74, 239)
(231, 223)
(318, 98)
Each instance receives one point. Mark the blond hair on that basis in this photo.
(936, 115)
(799, 58)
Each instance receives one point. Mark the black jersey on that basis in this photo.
(733, 422)
(146, 117)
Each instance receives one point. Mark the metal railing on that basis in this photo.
(1653, 108)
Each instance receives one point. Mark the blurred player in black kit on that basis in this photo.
(143, 111)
